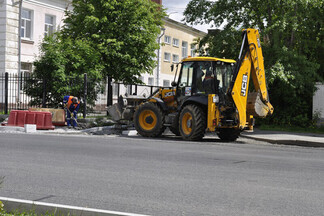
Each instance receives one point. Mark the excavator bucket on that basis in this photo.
(255, 106)
(115, 111)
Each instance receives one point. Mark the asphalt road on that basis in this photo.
(164, 176)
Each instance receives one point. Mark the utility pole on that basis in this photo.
(158, 58)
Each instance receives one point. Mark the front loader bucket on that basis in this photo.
(115, 111)
(255, 106)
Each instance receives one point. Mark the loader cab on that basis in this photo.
(201, 76)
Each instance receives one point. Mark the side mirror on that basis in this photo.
(172, 67)
(173, 84)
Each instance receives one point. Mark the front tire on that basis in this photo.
(228, 134)
(192, 123)
(149, 120)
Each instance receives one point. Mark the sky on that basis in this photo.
(175, 10)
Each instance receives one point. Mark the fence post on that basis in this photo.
(85, 95)
(44, 93)
(6, 92)
(136, 89)
(109, 93)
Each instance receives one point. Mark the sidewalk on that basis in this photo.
(275, 137)
(286, 138)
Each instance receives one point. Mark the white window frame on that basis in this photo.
(49, 25)
(175, 58)
(166, 83)
(192, 50)
(150, 81)
(24, 22)
(167, 57)
(184, 49)
(25, 72)
(115, 89)
(175, 42)
(167, 39)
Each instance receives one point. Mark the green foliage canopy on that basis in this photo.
(115, 38)
(293, 45)
(123, 31)
(61, 66)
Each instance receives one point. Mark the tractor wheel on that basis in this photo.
(149, 120)
(192, 122)
(228, 134)
(174, 128)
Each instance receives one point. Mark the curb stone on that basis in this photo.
(12, 129)
(305, 143)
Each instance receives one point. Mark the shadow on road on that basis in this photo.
(205, 140)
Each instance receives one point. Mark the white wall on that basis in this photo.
(318, 101)
(9, 20)
(8, 36)
(56, 8)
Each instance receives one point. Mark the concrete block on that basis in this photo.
(13, 22)
(11, 66)
(12, 15)
(12, 44)
(11, 58)
(12, 29)
(12, 36)
(130, 133)
(30, 128)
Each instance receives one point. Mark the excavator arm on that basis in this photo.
(250, 64)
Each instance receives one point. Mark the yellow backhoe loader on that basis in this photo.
(210, 95)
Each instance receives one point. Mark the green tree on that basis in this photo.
(101, 38)
(123, 31)
(293, 44)
(61, 66)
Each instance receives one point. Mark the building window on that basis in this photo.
(175, 42)
(167, 57)
(192, 50)
(175, 58)
(49, 25)
(184, 49)
(151, 81)
(26, 24)
(166, 83)
(115, 89)
(25, 71)
(167, 39)
(141, 78)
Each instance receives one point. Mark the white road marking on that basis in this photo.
(83, 209)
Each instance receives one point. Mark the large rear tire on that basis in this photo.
(149, 120)
(192, 122)
(228, 134)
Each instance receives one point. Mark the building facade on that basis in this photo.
(43, 17)
(177, 42)
(38, 18)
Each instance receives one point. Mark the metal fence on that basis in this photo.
(14, 97)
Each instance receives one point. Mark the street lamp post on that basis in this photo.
(158, 58)
(19, 47)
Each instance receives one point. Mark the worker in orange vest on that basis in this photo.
(71, 105)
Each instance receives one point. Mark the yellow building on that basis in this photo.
(177, 42)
